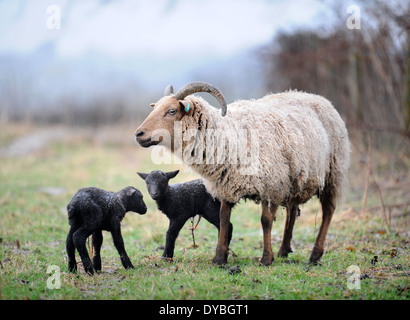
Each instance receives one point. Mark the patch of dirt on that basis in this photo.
(34, 141)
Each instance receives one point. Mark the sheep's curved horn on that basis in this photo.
(199, 86)
(168, 90)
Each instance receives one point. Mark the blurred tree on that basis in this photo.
(364, 72)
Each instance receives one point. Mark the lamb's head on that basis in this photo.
(170, 108)
(132, 199)
(157, 182)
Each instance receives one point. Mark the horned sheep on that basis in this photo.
(303, 151)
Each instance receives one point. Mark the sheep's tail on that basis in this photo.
(337, 182)
(71, 213)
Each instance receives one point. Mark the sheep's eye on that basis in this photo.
(172, 112)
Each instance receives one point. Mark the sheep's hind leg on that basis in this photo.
(285, 247)
(328, 208)
(79, 238)
(72, 264)
(97, 240)
(268, 215)
(221, 256)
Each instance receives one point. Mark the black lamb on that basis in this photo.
(179, 202)
(92, 210)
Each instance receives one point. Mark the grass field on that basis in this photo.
(36, 186)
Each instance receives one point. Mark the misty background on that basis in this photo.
(104, 61)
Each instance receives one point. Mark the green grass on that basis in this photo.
(33, 227)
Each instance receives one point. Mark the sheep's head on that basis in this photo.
(132, 199)
(157, 182)
(170, 108)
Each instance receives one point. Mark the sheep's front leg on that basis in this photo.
(175, 227)
(97, 243)
(119, 245)
(221, 256)
(268, 215)
(214, 219)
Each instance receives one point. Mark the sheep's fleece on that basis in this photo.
(303, 148)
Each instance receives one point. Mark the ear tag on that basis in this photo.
(187, 107)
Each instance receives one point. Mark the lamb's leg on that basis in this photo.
(268, 215)
(119, 245)
(97, 243)
(328, 208)
(221, 256)
(174, 228)
(72, 264)
(285, 248)
(79, 238)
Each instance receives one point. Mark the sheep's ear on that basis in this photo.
(130, 192)
(171, 174)
(152, 105)
(143, 175)
(187, 106)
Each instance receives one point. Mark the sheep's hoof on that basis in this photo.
(266, 261)
(283, 252)
(315, 256)
(219, 261)
(221, 256)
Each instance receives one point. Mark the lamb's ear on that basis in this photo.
(143, 175)
(130, 192)
(171, 174)
(152, 105)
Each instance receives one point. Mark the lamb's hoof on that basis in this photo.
(72, 267)
(97, 268)
(90, 271)
(168, 259)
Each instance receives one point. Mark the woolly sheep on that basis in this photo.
(92, 210)
(179, 202)
(303, 151)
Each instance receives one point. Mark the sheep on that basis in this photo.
(179, 202)
(92, 210)
(301, 150)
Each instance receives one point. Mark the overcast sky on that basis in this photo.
(159, 40)
(160, 29)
